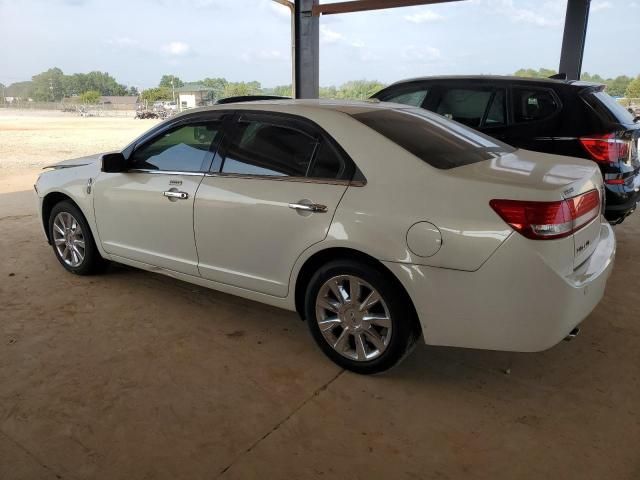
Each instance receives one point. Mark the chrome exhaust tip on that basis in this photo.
(572, 334)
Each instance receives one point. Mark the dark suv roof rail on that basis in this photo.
(250, 98)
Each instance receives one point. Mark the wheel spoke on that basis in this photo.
(59, 241)
(329, 323)
(370, 301)
(57, 227)
(375, 338)
(342, 342)
(79, 243)
(379, 320)
(78, 256)
(325, 303)
(65, 252)
(354, 289)
(339, 291)
(360, 348)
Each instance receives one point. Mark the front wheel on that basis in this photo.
(360, 319)
(72, 240)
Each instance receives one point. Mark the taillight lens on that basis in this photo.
(549, 220)
(606, 148)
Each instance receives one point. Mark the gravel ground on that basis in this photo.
(31, 139)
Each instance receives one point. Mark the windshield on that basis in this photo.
(439, 142)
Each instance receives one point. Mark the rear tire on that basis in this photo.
(72, 241)
(359, 318)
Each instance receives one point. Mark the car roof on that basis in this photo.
(350, 107)
(500, 78)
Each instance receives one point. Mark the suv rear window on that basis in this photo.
(435, 140)
(607, 105)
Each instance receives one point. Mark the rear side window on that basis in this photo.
(415, 99)
(438, 142)
(269, 146)
(464, 105)
(532, 105)
(606, 105)
(497, 110)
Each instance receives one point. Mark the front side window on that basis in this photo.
(415, 99)
(532, 104)
(183, 149)
(269, 146)
(466, 106)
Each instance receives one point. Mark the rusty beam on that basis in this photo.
(364, 5)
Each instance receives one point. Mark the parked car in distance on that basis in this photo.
(379, 223)
(563, 117)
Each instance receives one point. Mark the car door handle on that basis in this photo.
(309, 207)
(179, 195)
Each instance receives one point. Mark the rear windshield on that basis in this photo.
(439, 142)
(607, 105)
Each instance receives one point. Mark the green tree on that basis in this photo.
(282, 91)
(531, 73)
(328, 92)
(633, 89)
(156, 94)
(133, 91)
(48, 86)
(235, 89)
(19, 90)
(165, 81)
(618, 86)
(218, 85)
(359, 89)
(90, 96)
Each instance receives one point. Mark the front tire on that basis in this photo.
(72, 241)
(359, 319)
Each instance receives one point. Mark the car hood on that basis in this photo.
(78, 162)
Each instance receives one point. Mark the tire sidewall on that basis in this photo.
(402, 335)
(91, 257)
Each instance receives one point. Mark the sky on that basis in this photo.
(137, 41)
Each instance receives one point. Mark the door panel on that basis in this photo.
(249, 237)
(137, 221)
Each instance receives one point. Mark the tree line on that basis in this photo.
(54, 85)
(620, 86)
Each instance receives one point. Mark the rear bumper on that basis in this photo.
(514, 302)
(622, 199)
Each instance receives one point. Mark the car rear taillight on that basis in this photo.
(606, 148)
(549, 220)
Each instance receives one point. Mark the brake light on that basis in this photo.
(549, 220)
(606, 148)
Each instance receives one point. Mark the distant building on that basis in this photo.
(194, 95)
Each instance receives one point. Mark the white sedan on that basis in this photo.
(378, 223)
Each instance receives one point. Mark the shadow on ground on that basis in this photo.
(135, 375)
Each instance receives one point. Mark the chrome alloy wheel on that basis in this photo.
(353, 318)
(68, 239)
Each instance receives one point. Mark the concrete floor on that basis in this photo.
(132, 375)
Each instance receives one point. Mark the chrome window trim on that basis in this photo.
(165, 172)
(325, 181)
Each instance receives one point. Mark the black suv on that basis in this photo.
(546, 115)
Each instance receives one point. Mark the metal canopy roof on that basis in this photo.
(306, 35)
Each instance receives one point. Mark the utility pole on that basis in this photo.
(290, 6)
(173, 89)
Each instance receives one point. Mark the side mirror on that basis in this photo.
(113, 163)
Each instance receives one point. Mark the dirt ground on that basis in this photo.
(132, 375)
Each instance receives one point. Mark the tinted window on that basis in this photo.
(464, 105)
(607, 105)
(440, 143)
(184, 149)
(327, 163)
(410, 98)
(533, 104)
(496, 114)
(269, 146)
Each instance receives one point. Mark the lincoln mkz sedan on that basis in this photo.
(379, 223)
